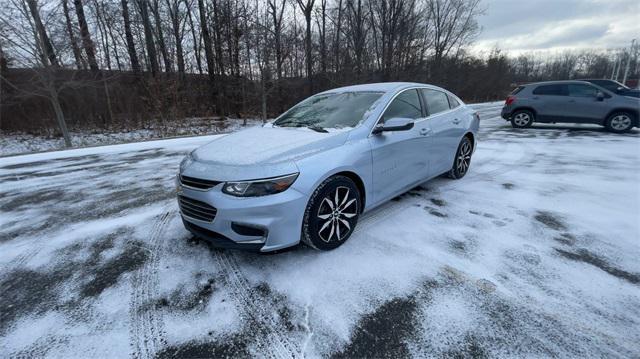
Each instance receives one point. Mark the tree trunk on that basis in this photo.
(196, 40)
(175, 22)
(57, 109)
(89, 49)
(206, 37)
(131, 48)
(308, 52)
(47, 47)
(336, 46)
(80, 64)
(161, 43)
(307, 9)
(148, 36)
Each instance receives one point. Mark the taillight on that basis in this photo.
(509, 100)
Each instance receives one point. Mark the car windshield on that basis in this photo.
(332, 110)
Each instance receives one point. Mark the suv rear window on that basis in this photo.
(553, 90)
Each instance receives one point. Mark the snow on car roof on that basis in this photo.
(377, 87)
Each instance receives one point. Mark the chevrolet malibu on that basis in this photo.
(310, 174)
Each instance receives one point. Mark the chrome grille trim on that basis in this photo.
(197, 183)
(196, 209)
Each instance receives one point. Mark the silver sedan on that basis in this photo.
(309, 175)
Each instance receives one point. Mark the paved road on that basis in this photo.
(533, 253)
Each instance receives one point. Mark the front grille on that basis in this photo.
(196, 209)
(197, 182)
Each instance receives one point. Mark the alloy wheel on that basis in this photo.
(522, 119)
(463, 159)
(336, 213)
(620, 122)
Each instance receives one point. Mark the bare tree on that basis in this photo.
(131, 47)
(454, 24)
(85, 36)
(80, 63)
(307, 8)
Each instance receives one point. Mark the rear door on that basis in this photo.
(398, 157)
(443, 129)
(549, 101)
(583, 105)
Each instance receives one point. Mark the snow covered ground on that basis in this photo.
(20, 143)
(534, 253)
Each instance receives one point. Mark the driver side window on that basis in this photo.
(406, 105)
(580, 90)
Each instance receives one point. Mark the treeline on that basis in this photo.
(123, 63)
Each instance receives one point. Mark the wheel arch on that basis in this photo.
(471, 138)
(359, 184)
(525, 108)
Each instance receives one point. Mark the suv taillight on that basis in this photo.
(509, 100)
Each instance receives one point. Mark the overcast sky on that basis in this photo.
(549, 25)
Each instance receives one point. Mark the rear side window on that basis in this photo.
(553, 90)
(453, 103)
(580, 90)
(406, 105)
(437, 101)
(516, 90)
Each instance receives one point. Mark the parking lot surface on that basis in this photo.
(535, 252)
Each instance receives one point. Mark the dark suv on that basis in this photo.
(570, 101)
(615, 87)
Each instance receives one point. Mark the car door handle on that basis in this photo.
(425, 131)
(456, 121)
(572, 101)
(535, 97)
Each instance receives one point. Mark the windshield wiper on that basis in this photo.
(317, 128)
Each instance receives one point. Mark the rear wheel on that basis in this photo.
(331, 214)
(619, 122)
(522, 119)
(463, 159)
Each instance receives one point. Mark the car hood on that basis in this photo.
(259, 152)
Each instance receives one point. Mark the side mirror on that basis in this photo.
(600, 96)
(394, 124)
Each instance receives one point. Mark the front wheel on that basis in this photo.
(619, 122)
(331, 214)
(463, 159)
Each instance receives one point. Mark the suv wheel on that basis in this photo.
(619, 122)
(331, 214)
(522, 119)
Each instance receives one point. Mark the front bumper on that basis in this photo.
(264, 223)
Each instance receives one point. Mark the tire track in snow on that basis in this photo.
(146, 332)
(273, 339)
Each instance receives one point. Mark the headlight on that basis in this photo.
(259, 187)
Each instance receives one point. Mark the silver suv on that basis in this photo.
(570, 101)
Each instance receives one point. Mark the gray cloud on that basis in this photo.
(518, 26)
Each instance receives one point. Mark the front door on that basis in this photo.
(398, 158)
(583, 105)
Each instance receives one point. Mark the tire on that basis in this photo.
(619, 122)
(462, 161)
(323, 227)
(522, 119)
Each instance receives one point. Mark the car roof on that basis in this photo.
(379, 87)
(562, 82)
